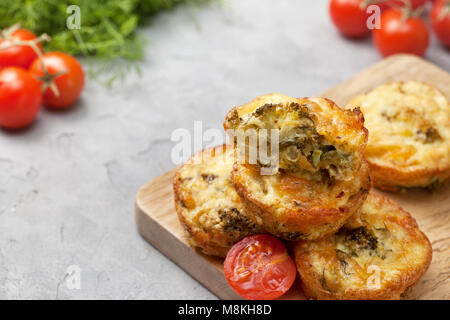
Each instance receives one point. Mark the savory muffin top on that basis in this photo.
(409, 125)
(315, 137)
(378, 254)
(207, 203)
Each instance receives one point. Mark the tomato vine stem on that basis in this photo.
(47, 79)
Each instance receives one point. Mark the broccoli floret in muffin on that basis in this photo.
(315, 137)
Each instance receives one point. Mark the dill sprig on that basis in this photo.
(108, 27)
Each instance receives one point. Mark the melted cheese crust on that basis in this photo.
(409, 140)
(296, 208)
(207, 203)
(378, 254)
(342, 129)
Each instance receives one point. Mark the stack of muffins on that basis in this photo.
(316, 197)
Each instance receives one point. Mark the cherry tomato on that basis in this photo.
(393, 3)
(19, 56)
(20, 98)
(259, 268)
(69, 84)
(398, 36)
(350, 17)
(440, 21)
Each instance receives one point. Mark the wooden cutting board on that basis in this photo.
(157, 221)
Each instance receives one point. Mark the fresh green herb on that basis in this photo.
(385, 228)
(323, 281)
(108, 27)
(342, 257)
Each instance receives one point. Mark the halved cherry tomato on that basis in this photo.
(259, 268)
(401, 35)
(18, 56)
(350, 17)
(440, 21)
(20, 98)
(68, 76)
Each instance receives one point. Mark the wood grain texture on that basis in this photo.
(157, 221)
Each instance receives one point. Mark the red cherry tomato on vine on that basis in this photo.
(397, 35)
(393, 3)
(69, 84)
(20, 98)
(350, 17)
(19, 56)
(259, 268)
(440, 21)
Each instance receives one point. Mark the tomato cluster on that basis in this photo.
(440, 21)
(401, 28)
(29, 78)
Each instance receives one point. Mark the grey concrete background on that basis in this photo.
(68, 183)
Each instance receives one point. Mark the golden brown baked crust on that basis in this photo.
(409, 140)
(207, 204)
(315, 135)
(295, 208)
(378, 254)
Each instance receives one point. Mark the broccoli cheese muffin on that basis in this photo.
(378, 254)
(409, 141)
(207, 204)
(294, 207)
(315, 136)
